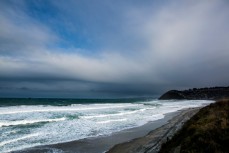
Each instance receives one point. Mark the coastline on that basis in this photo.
(122, 141)
(152, 142)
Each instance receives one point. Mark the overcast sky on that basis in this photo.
(111, 48)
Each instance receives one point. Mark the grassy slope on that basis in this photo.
(206, 132)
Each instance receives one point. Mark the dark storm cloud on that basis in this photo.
(139, 48)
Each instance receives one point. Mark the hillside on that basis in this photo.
(213, 93)
(205, 132)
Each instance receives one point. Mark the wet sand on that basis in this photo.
(130, 140)
(152, 142)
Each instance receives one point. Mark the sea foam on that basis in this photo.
(23, 122)
(78, 121)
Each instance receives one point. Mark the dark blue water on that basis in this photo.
(65, 102)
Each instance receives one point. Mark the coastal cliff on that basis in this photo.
(214, 93)
(205, 132)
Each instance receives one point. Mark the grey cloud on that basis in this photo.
(180, 45)
(19, 33)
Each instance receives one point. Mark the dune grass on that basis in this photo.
(205, 132)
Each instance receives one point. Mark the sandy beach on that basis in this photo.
(140, 139)
(152, 142)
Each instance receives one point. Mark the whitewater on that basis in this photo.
(24, 126)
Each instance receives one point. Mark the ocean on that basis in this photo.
(26, 123)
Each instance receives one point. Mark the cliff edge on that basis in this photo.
(205, 132)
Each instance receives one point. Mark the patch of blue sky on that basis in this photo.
(71, 35)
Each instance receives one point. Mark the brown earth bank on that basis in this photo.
(213, 93)
(205, 132)
(152, 142)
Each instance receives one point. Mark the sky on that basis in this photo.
(111, 48)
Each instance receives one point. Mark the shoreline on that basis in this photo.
(153, 140)
(114, 142)
(207, 131)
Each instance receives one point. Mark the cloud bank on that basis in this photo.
(112, 48)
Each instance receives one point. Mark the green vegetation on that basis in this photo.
(205, 132)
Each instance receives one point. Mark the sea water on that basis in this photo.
(27, 123)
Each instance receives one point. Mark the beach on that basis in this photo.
(137, 139)
(152, 142)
